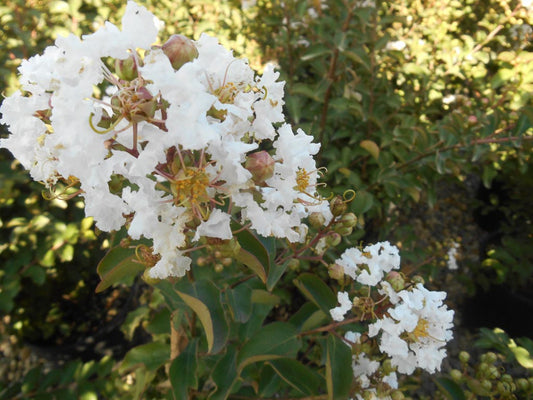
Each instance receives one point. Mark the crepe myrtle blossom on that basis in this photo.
(370, 265)
(156, 138)
(415, 330)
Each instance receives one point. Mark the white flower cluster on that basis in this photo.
(415, 333)
(162, 139)
(370, 265)
(412, 325)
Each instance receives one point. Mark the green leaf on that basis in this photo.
(203, 297)
(252, 262)
(314, 52)
(522, 355)
(253, 253)
(275, 340)
(314, 289)
(239, 300)
(308, 317)
(275, 273)
(358, 58)
(225, 374)
(371, 147)
(450, 389)
(339, 374)
(297, 375)
(119, 263)
(152, 355)
(183, 373)
(362, 203)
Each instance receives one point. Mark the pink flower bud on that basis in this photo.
(261, 165)
(180, 50)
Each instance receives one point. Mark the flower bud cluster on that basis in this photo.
(164, 139)
(488, 378)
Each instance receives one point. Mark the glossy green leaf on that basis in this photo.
(183, 371)
(275, 340)
(308, 317)
(203, 297)
(253, 253)
(314, 289)
(522, 355)
(339, 374)
(274, 274)
(450, 389)
(297, 375)
(119, 263)
(239, 300)
(224, 374)
(252, 262)
(152, 355)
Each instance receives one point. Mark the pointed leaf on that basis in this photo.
(183, 373)
(297, 375)
(317, 291)
(254, 253)
(203, 297)
(224, 375)
(274, 340)
(152, 355)
(252, 262)
(117, 264)
(339, 374)
(450, 389)
(239, 300)
(371, 147)
(275, 272)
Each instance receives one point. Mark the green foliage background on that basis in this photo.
(415, 128)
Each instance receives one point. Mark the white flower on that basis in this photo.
(397, 45)
(370, 265)
(452, 257)
(416, 331)
(217, 226)
(346, 304)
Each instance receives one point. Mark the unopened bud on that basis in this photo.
(522, 384)
(333, 239)
(396, 281)
(343, 230)
(456, 375)
(336, 271)
(349, 220)
(417, 279)
(464, 357)
(472, 120)
(294, 264)
(126, 69)
(261, 165)
(317, 220)
(337, 206)
(397, 395)
(219, 267)
(180, 50)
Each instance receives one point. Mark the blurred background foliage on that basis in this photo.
(423, 107)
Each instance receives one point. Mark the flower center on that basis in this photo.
(302, 180)
(190, 187)
(226, 94)
(421, 329)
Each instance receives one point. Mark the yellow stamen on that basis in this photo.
(302, 180)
